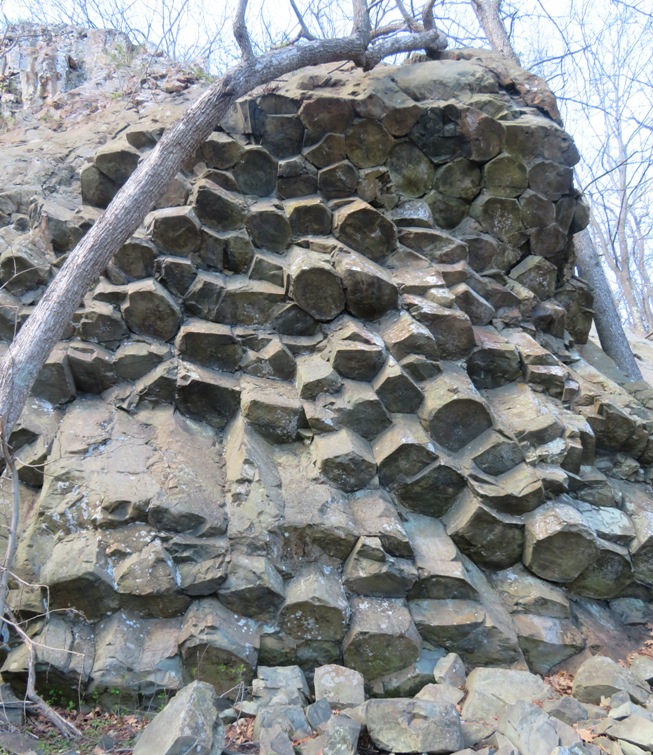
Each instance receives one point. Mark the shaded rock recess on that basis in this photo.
(332, 403)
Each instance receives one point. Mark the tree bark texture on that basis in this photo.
(608, 323)
(36, 339)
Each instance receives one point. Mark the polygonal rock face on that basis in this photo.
(381, 638)
(365, 229)
(453, 412)
(151, 311)
(350, 374)
(345, 459)
(554, 529)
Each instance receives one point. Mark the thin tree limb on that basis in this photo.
(240, 32)
(306, 33)
(69, 730)
(12, 541)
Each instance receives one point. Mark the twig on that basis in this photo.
(13, 527)
(306, 33)
(67, 729)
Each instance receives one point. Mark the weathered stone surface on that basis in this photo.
(553, 529)
(547, 641)
(218, 646)
(441, 572)
(207, 395)
(499, 216)
(189, 720)
(479, 311)
(405, 337)
(217, 208)
(151, 311)
(272, 409)
(431, 491)
(369, 570)
(549, 179)
(411, 170)
(377, 517)
(367, 143)
(342, 687)
(327, 113)
(221, 151)
(316, 607)
(433, 244)
(453, 411)
(532, 730)
(600, 676)
(175, 229)
(403, 725)
(268, 227)
(117, 160)
(308, 217)
(488, 537)
(369, 291)
(396, 389)
(315, 285)
(328, 150)
(356, 407)
(495, 362)
(381, 637)
(97, 189)
(609, 573)
(451, 329)
(345, 459)
(63, 656)
(365, 229)
(491, 691)
(23, 268)
(337, 181)
(209, 344)
(403, 450)
(253, 587)
(355, 351)
(537, 274)
(447, 622)
(256, 172)
(137, 656)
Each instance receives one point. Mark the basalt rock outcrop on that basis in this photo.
(332, 403)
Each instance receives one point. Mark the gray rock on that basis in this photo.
(218, 646)
(365, 229)
(340, 686)
(272, 409)
(382, 637)
(345, 459)
(600, 676)
(531, 729)
(151, 311)
(190, 720)
(546, 531)
(316, 607)
(450, 670)
(403, 725)
(490, 691)
(341, 735)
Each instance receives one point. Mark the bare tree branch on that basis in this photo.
(240, 32)
(306, 33)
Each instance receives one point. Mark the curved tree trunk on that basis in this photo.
(36, 339)
(608, 323)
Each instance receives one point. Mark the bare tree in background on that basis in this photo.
(364, 45)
